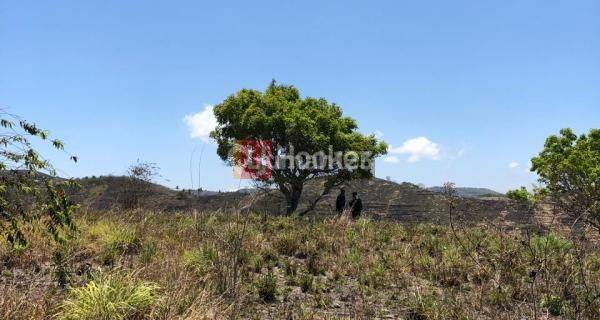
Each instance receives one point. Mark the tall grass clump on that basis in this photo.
(110, 297)
(115, 239)
(201, 261)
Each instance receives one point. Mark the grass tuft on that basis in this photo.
(110, 297)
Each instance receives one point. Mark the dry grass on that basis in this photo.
(216, 266)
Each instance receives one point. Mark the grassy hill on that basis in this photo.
(186, 265)
(106, 192)
(182, 256)
(382, 199)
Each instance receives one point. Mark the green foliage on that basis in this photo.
(521, 195)
(28, 191)
(287, 243)
(256, 262)
(415, 271)
(501, 295)
(553, 303)
(307, 283)
(375, 276)
(61, 272)
(123, 240)
(292, 124)
(110, 297)
(431, 307)
(551, 245)
(266, 287)
(569, 167)
(115, 240)
(147, 252)
(200, 261)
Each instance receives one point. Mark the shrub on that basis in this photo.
(307, 283)
(138, 187)
(592, 262)
(27, 195)
(551, 245)
(553, 303)
(256, 262)
(287, 244)
(520, 195)
(501, 295)
(110, 297)
(429, 306)
(267, 287)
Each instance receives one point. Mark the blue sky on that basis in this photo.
(460, 89)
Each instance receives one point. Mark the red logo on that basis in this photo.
(252, 159)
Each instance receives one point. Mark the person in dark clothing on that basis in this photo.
(340, 201)
(356, 205)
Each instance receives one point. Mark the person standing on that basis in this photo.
(356, 205)
(340, 201)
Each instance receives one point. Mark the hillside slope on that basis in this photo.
(468, 192)
(382, 199)
(407, 202)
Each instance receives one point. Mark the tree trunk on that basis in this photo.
(293, 198)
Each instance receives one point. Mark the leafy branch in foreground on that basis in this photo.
(28, 189)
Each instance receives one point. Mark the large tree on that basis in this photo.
(293, 125)
(569, 167)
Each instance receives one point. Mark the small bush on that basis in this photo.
(553, 303)
(267, 287)
(431, 307)
(307, 283)
(256, 262)
(375, 277)
(110, 297)
(287, 244)
(551, 245)
(501, 295)
(520, 195)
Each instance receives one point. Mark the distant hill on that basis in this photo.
(468, 192)
(103, 193)
(382, 199)
(406, 202)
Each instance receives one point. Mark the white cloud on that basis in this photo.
(513, 164)
(391, 159)
(418, 148)
(201, 123)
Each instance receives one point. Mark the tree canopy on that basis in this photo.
(293, 126)
(569, 167)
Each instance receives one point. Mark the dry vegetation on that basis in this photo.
(138, 265)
